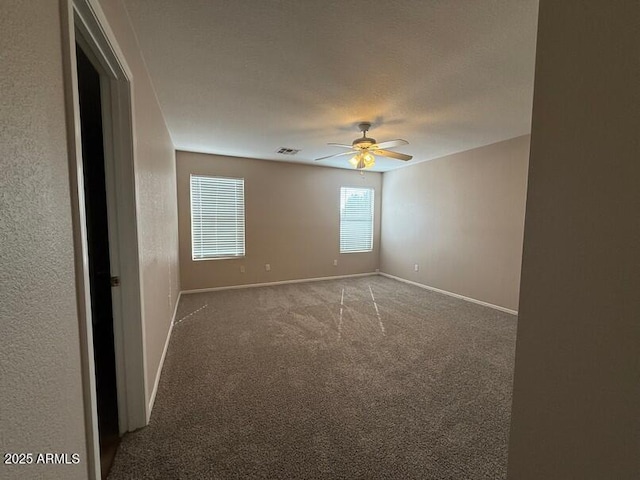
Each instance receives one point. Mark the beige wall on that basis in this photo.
(460, 218)
(576, 404)
(41, 406)
(40, 377)
(292, 222)
(156, 198)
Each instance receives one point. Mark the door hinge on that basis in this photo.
(115, 281)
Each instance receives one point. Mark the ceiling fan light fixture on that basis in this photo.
(368, 159)
(363, 160)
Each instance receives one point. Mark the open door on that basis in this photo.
(100, 128)
(100, 279)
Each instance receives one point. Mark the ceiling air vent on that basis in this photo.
(288, 151)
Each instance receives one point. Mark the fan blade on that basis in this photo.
(336, 155)
(341, 145)
(396, 155)
(390, 144)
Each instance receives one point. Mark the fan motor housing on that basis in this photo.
(363, 142)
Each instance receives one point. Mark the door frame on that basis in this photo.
(84, 22)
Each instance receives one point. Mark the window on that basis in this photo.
(356, 219)
(217, 217)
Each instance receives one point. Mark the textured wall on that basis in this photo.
(156, 197)
(40, 394)
(460, 218)
(576, 404)
(41, 407)
(292, 222)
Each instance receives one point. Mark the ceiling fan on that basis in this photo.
(364, 149)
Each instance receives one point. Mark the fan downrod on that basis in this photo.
(363, 142)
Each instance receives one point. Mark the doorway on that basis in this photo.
(100, 278)
(100, 128)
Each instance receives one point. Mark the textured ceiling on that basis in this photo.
(245, 78)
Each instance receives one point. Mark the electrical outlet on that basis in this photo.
(267, 267)
(416, 268)
(335, 263)
(242, 269)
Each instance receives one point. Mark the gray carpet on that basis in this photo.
(275, 382)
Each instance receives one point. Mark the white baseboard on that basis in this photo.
(152, 399)
(283, 282)
(451, 294)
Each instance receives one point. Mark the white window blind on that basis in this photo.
(356, 219)
(217, 217)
